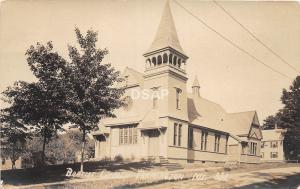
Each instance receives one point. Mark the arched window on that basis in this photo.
(165, 58)
(175, 60)
(148, 62)
(170, 58)
(154, 61)
(179, 62)
(159, 60)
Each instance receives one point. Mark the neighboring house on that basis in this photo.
(272, 145)
(163, 121)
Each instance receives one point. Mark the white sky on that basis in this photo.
(127, 28)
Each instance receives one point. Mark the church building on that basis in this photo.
(163, 121)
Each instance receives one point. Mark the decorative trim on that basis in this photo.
(208, 129)
(163, 49)
(174, 118)
(169, 71)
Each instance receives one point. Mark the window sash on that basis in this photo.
(191, 138)
(179, 134)
(204, 140)
(128, 135)
(175, 134)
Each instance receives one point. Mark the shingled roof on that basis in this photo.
(166, 35)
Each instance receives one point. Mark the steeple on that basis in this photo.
(166, 35)
(196, 87)
(165, 48)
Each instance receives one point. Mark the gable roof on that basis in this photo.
(132, 77)
(205, 113)
(208, 114)
(166, 35)
(239, 123)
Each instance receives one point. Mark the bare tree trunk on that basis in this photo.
(13, 159)
(44, 147)
(82, 150)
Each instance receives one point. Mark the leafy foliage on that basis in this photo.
(289, 118)
(88, 85)
(13, 137)
(79, 91)
(64, 148)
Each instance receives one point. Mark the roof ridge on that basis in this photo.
(133, 70)
(254, 111)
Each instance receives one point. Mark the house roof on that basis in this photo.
(150, 121)
(121, 120)
(131, 78)
(166, 35)
(239, 123)
(273, 134)
(205, 113)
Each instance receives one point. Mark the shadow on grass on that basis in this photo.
(285, 182)
(56, 173)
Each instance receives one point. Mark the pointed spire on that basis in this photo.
(196, 87)
(166, 35)
(196, 83)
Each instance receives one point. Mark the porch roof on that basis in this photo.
(122, 121)
(150, 121)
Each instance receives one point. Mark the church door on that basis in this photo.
(153, 145)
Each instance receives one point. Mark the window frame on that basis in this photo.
(191, 138)
(204, 135)
(175, 134)
(179, 134)
(217, 143)
(128, 135)
(178, 92)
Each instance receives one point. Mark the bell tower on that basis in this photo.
(165, 68)
(165, 49)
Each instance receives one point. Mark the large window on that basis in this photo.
(217, 143)
(204, 140)
(244, 148)
(128, 135)
(155, 99)
(253, 148)
(191, 138)
(177, 134)
(178, 92)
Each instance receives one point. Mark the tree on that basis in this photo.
(39, 104)
(13, 136)
(270, 122)
(289, 118)
(88, 83)
(47, 114)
